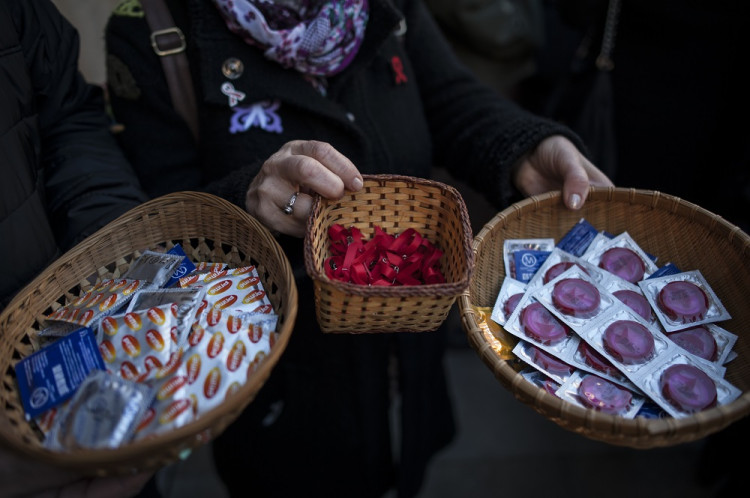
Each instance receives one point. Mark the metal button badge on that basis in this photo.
(232, 68)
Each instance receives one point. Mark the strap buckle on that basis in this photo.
(167, 50)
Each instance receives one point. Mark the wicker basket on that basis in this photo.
(208, 229)
(666, 226)
(394, 203)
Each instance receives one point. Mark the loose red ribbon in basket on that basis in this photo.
(405, 259)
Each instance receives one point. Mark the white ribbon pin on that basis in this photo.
(235, 96)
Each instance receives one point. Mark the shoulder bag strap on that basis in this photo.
(168, 43)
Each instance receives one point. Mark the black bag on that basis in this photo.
(585, 100)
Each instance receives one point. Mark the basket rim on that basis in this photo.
(638, 432)
(79, 459)
(424, 290)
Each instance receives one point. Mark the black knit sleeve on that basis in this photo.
(478, 135)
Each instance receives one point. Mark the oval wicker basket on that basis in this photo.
(209, 229)
(394, 203)
(674, 230)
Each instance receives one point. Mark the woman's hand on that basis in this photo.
(557, 164)
(300, 167)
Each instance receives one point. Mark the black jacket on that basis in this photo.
(62, 174)
(320, 424)
(439, 116)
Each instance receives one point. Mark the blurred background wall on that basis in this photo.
(89, 16)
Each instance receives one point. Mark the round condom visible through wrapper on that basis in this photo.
(596, 360)
(551, 386)
(603, 395)
(688, 388)
(576, 297)
(628, 341)
(635, 301)
(541, 325)
(549, 362)
(624, 263)
(510, 304)
(696, 340)
(683, 301)
(559, 268)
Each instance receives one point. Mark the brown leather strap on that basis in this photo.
(168, 42)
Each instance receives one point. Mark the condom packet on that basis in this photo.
(223, 351)
(708, 341)
(186, 305)
(540, 380)
(574, 297)
(154, 267)
(510, 246)
(557, 262)
(586, 359)
(641, 363)
(532, 322)
(186, 266)
(237, 290)
(526, 262)
(683, 299)
(138, 343)
(667, 269)
(632, 344)
(624, 258)
(590, 391)
(103, 413)
(569, 350)
(172, 405)
(682, 385)
(208, 267)
(549, 365)
(651, 410)
(500, 341)
(552, 336)
(578, 239)
(103, 299)
(632, 296)
(185, 298)
(51, 376)
(511, 292)
(601, 239)
(721, 342)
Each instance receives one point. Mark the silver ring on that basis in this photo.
(289, 207)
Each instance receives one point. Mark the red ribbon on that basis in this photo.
(398, 69)
(405, 259)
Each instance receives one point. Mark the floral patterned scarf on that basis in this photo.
(315, 37)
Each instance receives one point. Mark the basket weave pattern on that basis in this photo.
(674, 230)
(208, 229)
(394, 203)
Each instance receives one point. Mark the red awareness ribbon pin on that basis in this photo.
(398, 69)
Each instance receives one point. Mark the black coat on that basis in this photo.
(320, 425)
(678, 96)
(62, 174)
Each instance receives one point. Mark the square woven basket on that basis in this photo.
(394, 203)
(209, 229)
(674, 230)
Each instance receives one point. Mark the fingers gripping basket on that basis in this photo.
(395, 204)
(668, 227)
(208, 229)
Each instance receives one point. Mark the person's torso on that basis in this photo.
(249, 106)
